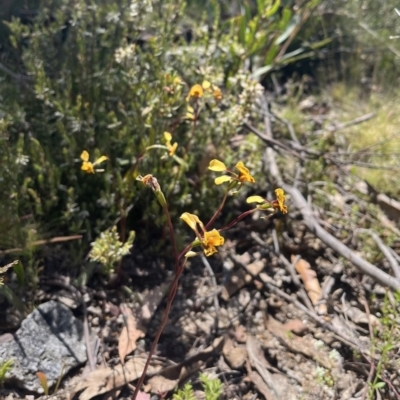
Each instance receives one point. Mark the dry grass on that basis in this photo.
(377, 139)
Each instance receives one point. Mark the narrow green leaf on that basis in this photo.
(242, 30)
(289, 29)
(251, 33)
(270, 57)
(12, 298)
(261, 71)
(260, 6)
(292, 54)
(181, 162)
(321, 43)
(271, 11)
(247, 12)
(285, 18)
(20, 272)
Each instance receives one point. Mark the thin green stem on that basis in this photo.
(172, 234)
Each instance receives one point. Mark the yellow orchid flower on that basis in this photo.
(244, 173)
(209, 240)
(196, 91)
(217, 93)
(280, 199)
(278, 204)
(243, 176)
(88, 166)
(171, 147)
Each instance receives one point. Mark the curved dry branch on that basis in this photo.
(364, 266)
(310, 221)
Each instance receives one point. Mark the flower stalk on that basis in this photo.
(208, 239)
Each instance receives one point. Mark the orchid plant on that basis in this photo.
(207, 237)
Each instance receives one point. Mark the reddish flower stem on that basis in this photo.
(174, 285)
(214, 217)
(173, 289)
(237, 219)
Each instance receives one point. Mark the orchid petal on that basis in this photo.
(255, 199)
(222, 179)
(84, 155)
(192, 220)
(217, 166)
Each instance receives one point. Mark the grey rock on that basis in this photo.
(48, 339)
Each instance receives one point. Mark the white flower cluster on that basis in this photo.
(138, 6)
(22, 160)
(108, 250)
(251, 93)
(125, 53)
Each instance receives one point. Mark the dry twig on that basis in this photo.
(215, 286)
(310, 221)
(386, 252)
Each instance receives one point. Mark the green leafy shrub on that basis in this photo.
(186, 393)
(105, 89)
(111, 78)
(108, 250)
(213, 389)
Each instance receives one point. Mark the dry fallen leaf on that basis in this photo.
(240, 334)
(129, 334)
(6, 267)
(159, 384)
(296, 326)
(311, 284)
(255, 267)
(236, 357)
(360, 317)
(151, 301)
(303, 345)
(103, 380)
(43, 382)
(261, 386)
(135, 326)
(273, 386)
